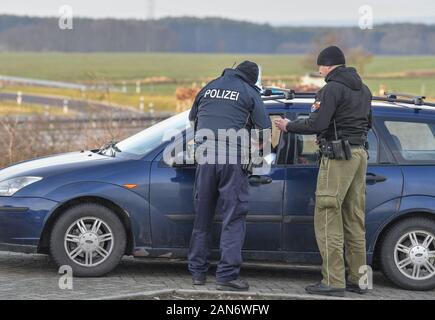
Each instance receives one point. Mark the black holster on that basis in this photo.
(336, 149)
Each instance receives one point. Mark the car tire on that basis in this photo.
(402, 254)
(75, 240)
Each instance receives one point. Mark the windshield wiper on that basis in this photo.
(110, 146)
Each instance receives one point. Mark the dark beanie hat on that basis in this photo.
(331, 56)
(250, 70)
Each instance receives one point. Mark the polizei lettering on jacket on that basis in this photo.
(222, 94)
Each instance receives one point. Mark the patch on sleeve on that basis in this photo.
(316, 106)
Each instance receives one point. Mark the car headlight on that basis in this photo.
(10, 187)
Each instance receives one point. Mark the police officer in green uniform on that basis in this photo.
(341, 118)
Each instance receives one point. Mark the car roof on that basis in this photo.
(379, 107)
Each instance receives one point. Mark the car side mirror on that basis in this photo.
(181, 159)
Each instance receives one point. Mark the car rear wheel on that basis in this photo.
(408, 254)
(90, 238)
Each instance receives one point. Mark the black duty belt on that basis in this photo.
(341, 149)
(358, 141)
(354, 141)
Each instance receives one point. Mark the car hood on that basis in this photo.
(51, 165)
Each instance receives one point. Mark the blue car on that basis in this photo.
(88, 209)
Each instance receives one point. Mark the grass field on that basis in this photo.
(104, 66)
(185, 69)
(10, 108)
(160, 101)
(89, 67)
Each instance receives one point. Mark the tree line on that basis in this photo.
(208, 35)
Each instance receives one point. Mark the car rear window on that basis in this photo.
(414, 141)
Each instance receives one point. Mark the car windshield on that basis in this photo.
(149, 139)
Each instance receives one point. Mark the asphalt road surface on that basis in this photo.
(79, 106)
(25, 276)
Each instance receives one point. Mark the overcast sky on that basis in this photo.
(276, 12)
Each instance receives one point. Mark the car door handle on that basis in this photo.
(260, 179)
(373, 178)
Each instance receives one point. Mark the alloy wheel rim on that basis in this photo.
(89, 241)
(414, 255)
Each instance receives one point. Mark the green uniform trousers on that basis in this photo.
(339, 217)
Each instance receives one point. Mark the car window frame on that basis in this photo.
(395, 153)
(187, 135)
(380, 154)
(378, 148)
(283, 113)
(294, 116)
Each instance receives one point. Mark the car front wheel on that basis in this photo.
(89, 238)
(408, 254)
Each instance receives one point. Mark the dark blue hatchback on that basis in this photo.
(89, 208)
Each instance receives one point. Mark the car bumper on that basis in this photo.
(21, 222)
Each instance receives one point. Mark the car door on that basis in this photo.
(384, 186)
(172, 214)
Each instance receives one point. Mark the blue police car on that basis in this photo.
(88, 209)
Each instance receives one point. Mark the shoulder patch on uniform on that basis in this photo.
(316, 106)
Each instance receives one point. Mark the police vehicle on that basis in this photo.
(88, 209)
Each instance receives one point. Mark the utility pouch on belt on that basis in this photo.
(337, 150)
(347, 150)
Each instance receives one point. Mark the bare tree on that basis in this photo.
(9, 127)
(320, 43)
(359, 58)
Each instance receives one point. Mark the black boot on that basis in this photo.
(355, 288)
(320, 288)
(234, 285)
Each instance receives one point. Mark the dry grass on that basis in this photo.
(161, 102)
(10, 108)
(23, 140)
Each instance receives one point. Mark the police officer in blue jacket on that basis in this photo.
(230, 102)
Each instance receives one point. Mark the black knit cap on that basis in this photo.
(331, 56)
(250, 70)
